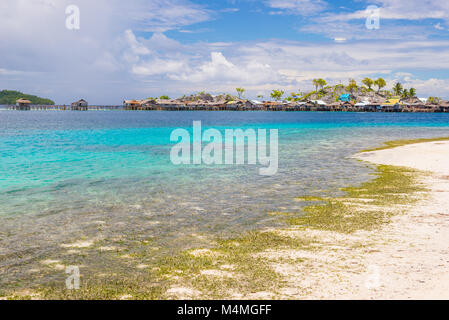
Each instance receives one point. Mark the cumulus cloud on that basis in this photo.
(110, 58)
(157, 67)
(103, 54)
(220, 69)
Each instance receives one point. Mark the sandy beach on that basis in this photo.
(407, 258)
(414, 264)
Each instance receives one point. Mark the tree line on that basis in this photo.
(321, 89)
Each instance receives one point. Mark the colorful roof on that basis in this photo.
(345, 97)
(391, 102)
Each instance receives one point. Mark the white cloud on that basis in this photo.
(428, 87)
(104, 54)
(438, 26)
(301, 7)
(220, 69)
(158, 67)
(162, 15)
(401, 9)
(108, 60)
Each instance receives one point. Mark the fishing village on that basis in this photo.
(338, 98)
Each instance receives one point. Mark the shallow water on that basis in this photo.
(62, 174)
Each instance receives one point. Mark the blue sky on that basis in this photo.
(141, 48)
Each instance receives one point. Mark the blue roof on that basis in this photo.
(345, 97)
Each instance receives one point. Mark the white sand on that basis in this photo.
(410, 257)
(405, 259)
(429, 156)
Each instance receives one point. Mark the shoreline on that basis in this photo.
(408, 257)
(415, 266)
(387, 239)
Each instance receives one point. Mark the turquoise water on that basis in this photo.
(64, 173)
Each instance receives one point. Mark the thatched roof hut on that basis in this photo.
(22, 101)
(80, 105)
(23, 104)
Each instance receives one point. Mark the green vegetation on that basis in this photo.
(10, 97)
(433, 100)
(380, 83)
(319, 83)
(352, 86)
(397, 89)
(277, 94)
(392, 186)
(368, 83)
(164, 97)
(240, 92)
(399, 143)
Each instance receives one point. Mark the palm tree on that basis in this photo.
(405, 94)
(380, 83)
(240, 92)
(277, 94)
(368, 83)
(397, 89)
(412, 92)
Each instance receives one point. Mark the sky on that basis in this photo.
(136, 49)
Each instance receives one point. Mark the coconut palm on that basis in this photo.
(380, 83)
(397, 89)
(277, 94)
(240, 92)
(412, 92)
(405, 94)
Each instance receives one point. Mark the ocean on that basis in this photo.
(66, 176)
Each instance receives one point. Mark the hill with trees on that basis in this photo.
(370, 89)
(10, 97)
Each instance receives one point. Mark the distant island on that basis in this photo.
(10, 97)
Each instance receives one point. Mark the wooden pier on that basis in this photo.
(225, 107)
(62, 108)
